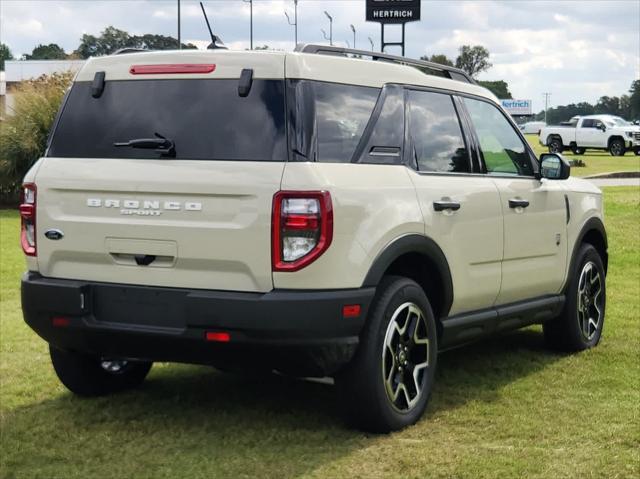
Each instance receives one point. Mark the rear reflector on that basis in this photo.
(217, 336)
(60, 321)
(351, 311)
(176, 68)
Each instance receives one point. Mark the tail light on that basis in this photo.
(28, 219)
(301, 228)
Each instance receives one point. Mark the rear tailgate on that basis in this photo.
(199, 219)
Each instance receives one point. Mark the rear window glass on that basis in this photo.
(206, 119)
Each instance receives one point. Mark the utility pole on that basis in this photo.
(546, 104)
(330, 28)
(353, 29)
(250, 2)
(371, 41)
(179, 40)
(295, 22)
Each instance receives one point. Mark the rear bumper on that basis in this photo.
(299, 332)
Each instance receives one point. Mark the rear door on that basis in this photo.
(198, 218)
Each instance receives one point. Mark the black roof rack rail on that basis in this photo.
(122, 51)
(446, 71)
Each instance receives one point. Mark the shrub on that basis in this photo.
(24, 131)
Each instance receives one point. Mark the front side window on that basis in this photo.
(588, 124)
(503, 151)
(435, 133)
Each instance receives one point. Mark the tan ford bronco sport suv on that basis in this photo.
(317, 213)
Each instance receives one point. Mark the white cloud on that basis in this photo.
(578, 51)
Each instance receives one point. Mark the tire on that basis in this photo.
(617, 148)
(580, 325)
(578, 151)
(89, 376)
(400, 305)
(637, 151)
(555, 145)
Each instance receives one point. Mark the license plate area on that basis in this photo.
(138, 306)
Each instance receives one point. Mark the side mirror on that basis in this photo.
(554, 167)
(602, 127)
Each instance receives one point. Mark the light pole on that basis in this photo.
(330, 28)
(546, 104)
(371, 41)
(250, 2)
(348, 44)
(179, 42)
(353, 29)
(295, 22)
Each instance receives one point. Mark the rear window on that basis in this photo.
(206, 119)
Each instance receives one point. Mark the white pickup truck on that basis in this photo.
(602, 132)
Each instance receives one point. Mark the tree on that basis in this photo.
(473, 60)
(47, 52)
(112, 39)
(634, 100)
(5, 54)
(499, 88)
(440, 58)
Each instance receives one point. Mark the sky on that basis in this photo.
(577, 50)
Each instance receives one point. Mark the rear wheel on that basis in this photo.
(388, 384)
(637, 151)
(555, 145)
(580, 325)
(617, 148)
(89, 376)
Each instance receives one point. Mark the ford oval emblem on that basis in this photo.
(54, 234)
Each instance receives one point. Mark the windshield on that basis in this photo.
(205, 120)
(617, 121)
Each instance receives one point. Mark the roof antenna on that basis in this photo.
(216, 43)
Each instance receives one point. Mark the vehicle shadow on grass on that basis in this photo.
(262, 423)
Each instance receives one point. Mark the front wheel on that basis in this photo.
(580, 325)
(388, 384)
(89, 376)
(617, 148)
(578, 151)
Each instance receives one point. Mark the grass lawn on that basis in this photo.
(503, 408)
(597, 161)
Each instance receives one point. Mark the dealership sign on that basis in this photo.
(517, 107)
(393, 11)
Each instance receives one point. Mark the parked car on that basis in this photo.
(532, 127)
(602, 132)
(305, 212)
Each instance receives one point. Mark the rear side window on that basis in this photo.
(330, 119)
(503, 151)
(206, 119)
(435, 132)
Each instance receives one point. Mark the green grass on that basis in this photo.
(503, 408)
(597, 161)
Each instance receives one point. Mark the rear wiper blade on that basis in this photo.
(162, 145)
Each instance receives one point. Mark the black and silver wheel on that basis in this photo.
(617, 147)
(637, 151)
(88, 376)
(388, 384)
(555, 145)
(580, 325)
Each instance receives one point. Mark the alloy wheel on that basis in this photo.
(590, 300)
(405, 357)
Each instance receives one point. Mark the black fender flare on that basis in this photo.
(414, 243)
(591, 224)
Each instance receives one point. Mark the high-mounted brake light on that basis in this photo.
(217, 336)
(301, 228)
(172, 68)
(27, 210)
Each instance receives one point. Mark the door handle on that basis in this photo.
(518, 203)
(446, 205)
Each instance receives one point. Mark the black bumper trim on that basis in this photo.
(303, 328)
